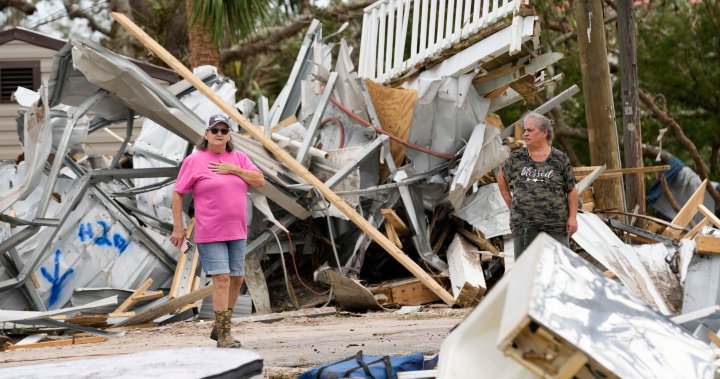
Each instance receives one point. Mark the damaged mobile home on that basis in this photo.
(382, 172)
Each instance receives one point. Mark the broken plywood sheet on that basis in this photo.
(394, 108)
(350, 294)
(559, 299)
(466, 274)
(641, 268)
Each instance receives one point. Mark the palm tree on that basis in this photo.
(212, 23)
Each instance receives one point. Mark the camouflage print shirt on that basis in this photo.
(539, 191)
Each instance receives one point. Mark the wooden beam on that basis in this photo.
(130, 301)
(714, 338)
(697, 228)
(257, 133)
(710, 215)
(688, 211)
(584, 170)
(181, 262)
(479, 241)
(69, 341)
(707, 245)
(150, 296)
(409, 291)
(166, 308)
(392, 234)
(399, 225)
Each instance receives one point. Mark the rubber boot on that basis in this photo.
(214, 332)
(223, 322)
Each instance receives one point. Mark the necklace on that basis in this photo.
(542, 155)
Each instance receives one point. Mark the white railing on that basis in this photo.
(428, 26)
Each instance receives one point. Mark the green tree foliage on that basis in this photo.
(679, 63)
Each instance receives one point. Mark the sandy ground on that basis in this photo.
(286, 346)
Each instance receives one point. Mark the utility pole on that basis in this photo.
(599, 108)
(632, 138)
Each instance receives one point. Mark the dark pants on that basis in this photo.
(523, 237)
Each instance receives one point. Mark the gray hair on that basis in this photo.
(542, 122)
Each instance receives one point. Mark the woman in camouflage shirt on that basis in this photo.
(543, 197)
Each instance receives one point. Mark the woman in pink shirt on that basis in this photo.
(218, 177)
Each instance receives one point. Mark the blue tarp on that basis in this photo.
(683, 182)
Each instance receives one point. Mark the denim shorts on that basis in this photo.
(223, 257)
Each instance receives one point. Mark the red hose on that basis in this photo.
(392, 137)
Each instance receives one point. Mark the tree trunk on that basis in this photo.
(634, 183)
(202, 50)
(599, 108)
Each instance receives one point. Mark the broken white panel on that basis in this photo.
(288, 100)
(483, 152)
(9, 316)
(702, 286)
(346, 89)
(486, 210)
(467, 279)
(640, 268)
(485, 86)
(37, 143)
(444, 117)
(469, 351)
(482, 51)
(25, 97)
(508, 252)
(62, 117)
(553, 287)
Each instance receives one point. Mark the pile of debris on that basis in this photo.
(416, 161)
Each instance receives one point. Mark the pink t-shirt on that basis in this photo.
(220, 200)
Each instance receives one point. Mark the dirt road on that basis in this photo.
(287, 346)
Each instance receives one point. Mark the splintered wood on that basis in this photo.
(409, 291)
(550, 356)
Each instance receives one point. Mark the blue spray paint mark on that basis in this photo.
(103, 240)
(55, 279)
(85, 231)
(120, 243)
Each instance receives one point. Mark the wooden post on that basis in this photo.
(285, 158)
(632, 136)
(599, 108)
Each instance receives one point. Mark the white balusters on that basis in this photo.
(435, 25)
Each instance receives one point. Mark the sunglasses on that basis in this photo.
(224, 131)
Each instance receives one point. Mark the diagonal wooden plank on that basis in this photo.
(688, 211)
(285, 158)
